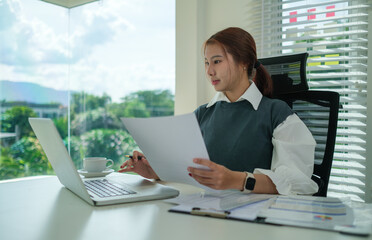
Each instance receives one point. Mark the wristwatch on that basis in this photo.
(249, 183)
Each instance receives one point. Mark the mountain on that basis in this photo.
(31, 92)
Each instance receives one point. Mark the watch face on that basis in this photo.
(250, 184)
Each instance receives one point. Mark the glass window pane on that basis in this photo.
(85, 68)
(33, 81)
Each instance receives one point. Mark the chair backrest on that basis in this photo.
(317, 109)
(287, 72)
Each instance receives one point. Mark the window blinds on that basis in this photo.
(334, 33)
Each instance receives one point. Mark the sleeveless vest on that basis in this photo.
(239, 137)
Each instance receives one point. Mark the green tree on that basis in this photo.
(94, 119)
(135, 108)
(29, 150)
(82, 102)
(62, 125)
(109, 143)
(24, 158)
(18, 116)
(149, 103)
(10, 167)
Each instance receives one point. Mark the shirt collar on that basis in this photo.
(252, 95)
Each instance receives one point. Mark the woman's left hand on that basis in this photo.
(217, 176)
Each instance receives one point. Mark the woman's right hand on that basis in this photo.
(142, 167)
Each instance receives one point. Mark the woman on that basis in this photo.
(255, 143)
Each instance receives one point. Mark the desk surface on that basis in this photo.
(41, 208)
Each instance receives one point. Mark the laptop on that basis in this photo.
(113, 189)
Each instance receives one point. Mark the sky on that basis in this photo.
(110, 46)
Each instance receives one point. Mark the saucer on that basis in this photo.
(94, 174)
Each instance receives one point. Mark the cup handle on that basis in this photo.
(109, 166)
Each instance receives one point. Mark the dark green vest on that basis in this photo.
(239, 137)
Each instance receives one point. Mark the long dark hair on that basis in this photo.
(241, 45)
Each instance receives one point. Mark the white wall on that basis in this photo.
(196, 21)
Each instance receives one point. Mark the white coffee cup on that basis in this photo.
(96, 164)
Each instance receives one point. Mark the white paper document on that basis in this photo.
(224, 200)
(233, 204)
(170, 144)
(308, 211)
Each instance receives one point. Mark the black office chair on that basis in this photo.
(317, 109)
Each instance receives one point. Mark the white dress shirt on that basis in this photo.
(293, 150)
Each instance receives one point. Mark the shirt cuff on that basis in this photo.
(289, 181)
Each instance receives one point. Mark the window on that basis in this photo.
(85, 68)
(334, 33)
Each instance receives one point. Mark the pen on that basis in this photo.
(130, 156)
(210, 212)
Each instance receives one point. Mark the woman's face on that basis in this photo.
(224, 73)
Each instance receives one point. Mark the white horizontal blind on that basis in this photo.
(334, 33)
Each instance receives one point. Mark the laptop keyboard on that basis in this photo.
(104, 188)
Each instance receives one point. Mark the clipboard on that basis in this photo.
(248, 212)
(284, 211)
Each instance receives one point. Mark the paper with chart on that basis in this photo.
(169, 144)
(308, 211)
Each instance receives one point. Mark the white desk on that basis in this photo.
(41, 208)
